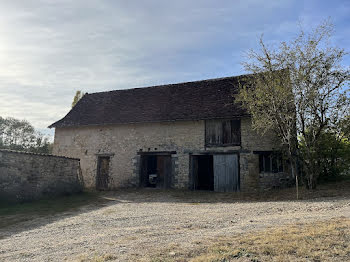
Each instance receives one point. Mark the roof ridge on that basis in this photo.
(172, 84)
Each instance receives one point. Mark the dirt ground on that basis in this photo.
(131, 225)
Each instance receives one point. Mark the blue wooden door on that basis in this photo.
(226, 176)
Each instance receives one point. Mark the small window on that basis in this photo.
(222, 132)
(270, 162)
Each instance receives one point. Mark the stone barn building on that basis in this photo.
(188, 135)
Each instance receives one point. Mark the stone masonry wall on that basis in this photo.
(27, 176)
(123, 142)
(251, 179)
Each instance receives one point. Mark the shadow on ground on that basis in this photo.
(15, 218)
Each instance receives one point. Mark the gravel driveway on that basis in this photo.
(133, 223)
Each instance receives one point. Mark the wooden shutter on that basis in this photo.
(222, 132)
(226, 132)
(213, 134)
(235, 132)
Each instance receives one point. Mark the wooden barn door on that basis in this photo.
(102, 177)
(164, 173)
(226, 178)
(194, 172)
(143, 171)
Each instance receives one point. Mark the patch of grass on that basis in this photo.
(321, 241)
(15, 213)
(96, 258)
(335, 189)
(330, 189)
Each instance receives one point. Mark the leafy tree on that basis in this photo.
(333, 156)
(344, 127)
(78, 95)
(298, 89)
(21, 135)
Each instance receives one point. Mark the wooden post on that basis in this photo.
(297, 186)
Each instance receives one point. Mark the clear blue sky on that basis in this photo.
(50, 49)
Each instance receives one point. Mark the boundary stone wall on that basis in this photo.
(28, 176)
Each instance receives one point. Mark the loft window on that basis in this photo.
(270, 162)
(222, 132)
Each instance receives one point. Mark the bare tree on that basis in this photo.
(298, 90)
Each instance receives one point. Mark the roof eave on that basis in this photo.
(57, 125)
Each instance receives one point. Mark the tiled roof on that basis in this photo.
(206, 99)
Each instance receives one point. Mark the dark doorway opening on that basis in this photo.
(102, 177)
(215, 172)
(203, 172)
(156, 171)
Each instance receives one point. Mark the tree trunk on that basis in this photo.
(294, 170)
(295, 174)
(311, 180)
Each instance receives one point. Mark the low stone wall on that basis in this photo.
(28, 176)
(275, 180)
